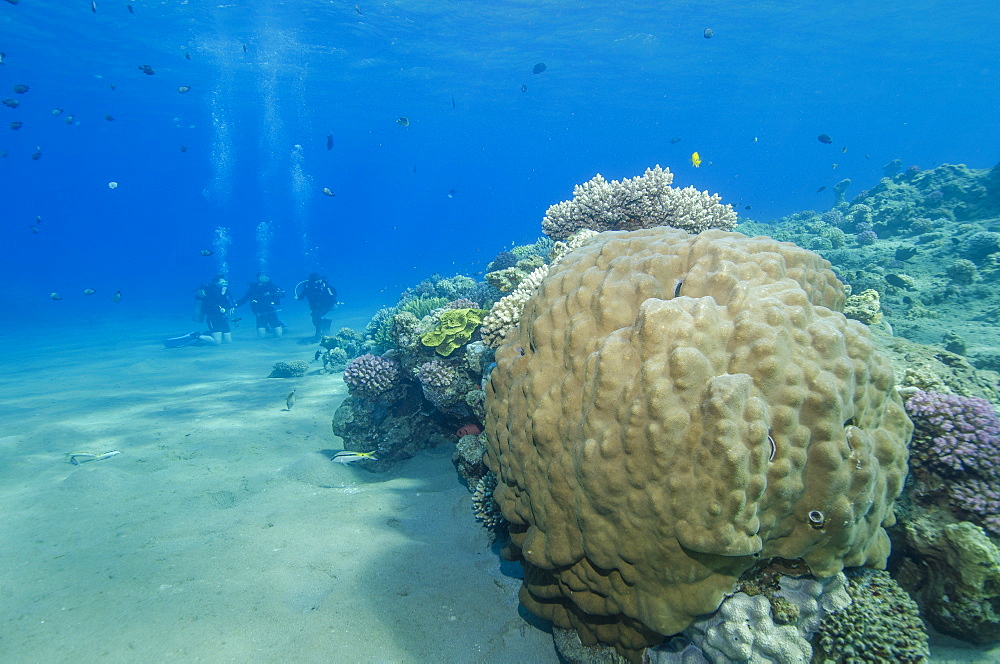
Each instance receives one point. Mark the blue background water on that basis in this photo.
(916, 80)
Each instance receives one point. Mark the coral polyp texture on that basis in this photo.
(633, 203)
(672, 408)
(370, 375)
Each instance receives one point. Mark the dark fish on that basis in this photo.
(823, 188)
(403, 122)
(20, 88)
(357, 8)
(867, 157)
(539, 68)
(184, 148)
(38, 219)
(3, 153)
(824, 138)
(675, 139)
(187, 55)
(524, 88)
(207, 252)
(37, 154)
(11, 103)
(111, 85)
(16, 124)
(244, 48)
(708, 33)
(55, 296)
(747, 207)
(117, 297)
(56, 111)
(109, 118)
(329, 141)
(184, 88)
(898, 281)
(843, 149)
(905, 253)
(89, 291)
(2, 54)
(69, 119)
(147, 70)
(93, 6)
(414, 168)
(453, 101)
(130, 10)
(13, 2)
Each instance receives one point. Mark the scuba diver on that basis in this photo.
(322, 298)
(264, 297)
(215, 306)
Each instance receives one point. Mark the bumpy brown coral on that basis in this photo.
(672, 408)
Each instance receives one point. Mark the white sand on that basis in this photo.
(222, 533)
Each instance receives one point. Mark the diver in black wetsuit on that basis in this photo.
(322, 297)
(216, 306)
(264, 297)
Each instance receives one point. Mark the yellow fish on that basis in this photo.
(695, 159)
(348, 456)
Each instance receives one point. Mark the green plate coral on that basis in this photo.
(455, 328)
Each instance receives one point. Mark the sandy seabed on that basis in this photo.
(223, 532)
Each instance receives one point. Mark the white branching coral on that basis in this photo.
(506, 313)
(634, 203)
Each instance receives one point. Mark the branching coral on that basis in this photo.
(634, 203)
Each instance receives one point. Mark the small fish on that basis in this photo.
(130, 10)
(843, 149)
(835, 166)
(55, 296)
(539, 68)
(329, 141)
(290, 400)
(747, 207)
(146, 69)
(117, 297)
(111, 85)
(524, 88)
(187, 55)
(824, 138)
(76, 458)
(20, 89)
(109, 118)
(403, 122)
(11, 103)
(93, 6)
(357, 8)
(36, 155)
(867, 157)
(3, 153)
(328, 192)
(184, 88)
(244, 48)
(38, 220)
(34, 229)
(57, 111)
(112, 185)
(695, 159)
(347, 456)
(675, 139)
(89, 291)
(16, 124)
(207, 252)
(453, 101)
(69, 119)
(184, 148)
(708, 33)
(2, 54)
(451, 193)
(823, 188)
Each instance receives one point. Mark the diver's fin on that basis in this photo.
(182, 340)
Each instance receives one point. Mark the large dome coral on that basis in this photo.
(673, 408)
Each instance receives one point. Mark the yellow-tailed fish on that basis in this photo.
(695, 159)
(348, 456)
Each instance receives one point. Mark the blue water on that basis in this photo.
(916, 80)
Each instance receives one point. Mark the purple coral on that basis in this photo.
(866, 238)
(462, 303)
(980, 500)
(956, 433)
(435, 374)
(370, 375)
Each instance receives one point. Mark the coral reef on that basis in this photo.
(369, 375)
(640, 202)
(654, 364)
(292, 369)
(454, 329)
(882, 624)
(485, 508)
(506, 313)
(864, 307)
